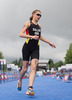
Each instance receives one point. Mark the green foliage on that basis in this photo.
(1, 55)
(68, 58)
(18, 62)
(70, 47)
(51, 64)
(58, 64)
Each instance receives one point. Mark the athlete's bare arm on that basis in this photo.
(44, 40)
(22, 33)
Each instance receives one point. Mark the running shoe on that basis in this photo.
(19, 87)
(30, 92)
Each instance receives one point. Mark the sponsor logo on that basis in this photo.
(36, 30)
(36, 33)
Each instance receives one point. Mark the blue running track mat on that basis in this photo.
(46, 88)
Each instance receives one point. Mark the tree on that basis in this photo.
(1, 55)
(58, 64)
(15, 62)
(18, 62)
(68, 58)
(51, 64)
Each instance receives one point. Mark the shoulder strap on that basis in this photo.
(39, 26)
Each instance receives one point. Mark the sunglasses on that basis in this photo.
(38, 15)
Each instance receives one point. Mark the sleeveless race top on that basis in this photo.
(33, 30)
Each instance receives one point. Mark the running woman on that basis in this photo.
(31, 48)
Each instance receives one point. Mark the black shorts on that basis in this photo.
(28, 51)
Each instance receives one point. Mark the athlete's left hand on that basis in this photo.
(52, 45)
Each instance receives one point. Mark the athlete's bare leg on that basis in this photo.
(34, 63)
(24, 70)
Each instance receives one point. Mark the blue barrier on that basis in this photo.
(7, 77)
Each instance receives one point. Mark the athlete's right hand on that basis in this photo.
(35, 37)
